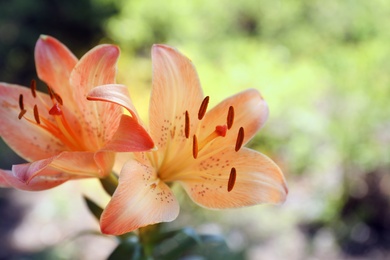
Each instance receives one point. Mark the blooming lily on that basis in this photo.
(203, 151)
(61, 134)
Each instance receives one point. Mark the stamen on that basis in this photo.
(240, 139)
(230, 117)
(187, 125)
(21, 105)
(33, 87)
(50, 91)
(58, 98)
(232, 179)
(21, 114)
(203, 108)
(195, 147)
(36, 114)
(55, 110)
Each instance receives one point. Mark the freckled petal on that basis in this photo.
(250, 112)
(54, 63)
(27, 139)
(130, 137)
(114, 93)
(176, 88)
(138, 201)
(258, 180)
(97, 67)
(7, 179)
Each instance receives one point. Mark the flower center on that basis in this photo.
(60, 127)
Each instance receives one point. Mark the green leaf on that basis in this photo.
(128, 249)
(175, 243)
(94, 208)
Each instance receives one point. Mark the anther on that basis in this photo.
(33, 87)
(187, 125)
(240, 139)
(50, 91)
(21, 105)
(58, 98)
(21, 114)
(203, 108)
(230, 117)
(36, 114)
(195, 147)
(232, 179)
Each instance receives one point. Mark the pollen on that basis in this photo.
(21, 114)
(21, 104)
(240, 139)
(230, 117)
(187, 125)
(195, 147)
(36, 115)
(203, 108)
(33, 87)
(232, 179)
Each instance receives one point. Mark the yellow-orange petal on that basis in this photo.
(250, 112)
(129, 137)
(256, 179)
(175, 90)
(140, 200)
(114, 93)
(7, 179)
(54, 63)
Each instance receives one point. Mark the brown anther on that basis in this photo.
(33, 87)
(58, 98)
(36, 114)
(195, 147)
(21, 114)
(187, 125)
(21, 105)
(232, 179)
(240, 139)
(51, 92)
(230, 117)
(203, 107)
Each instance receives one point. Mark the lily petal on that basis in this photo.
(130, 137)
(25, 138)
(176, 89)
(7, 179)
(257, 180)
(97, 67)
(114, 93)
(54, 63)
(139, 200)
(250, 112)
(75, 164)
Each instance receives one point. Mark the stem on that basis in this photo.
(110, 183)
(147, 236)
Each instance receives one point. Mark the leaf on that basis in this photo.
(94, 208)
(128, 249)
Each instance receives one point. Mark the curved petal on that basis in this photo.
(27, 139)
(176, 89)
(7, 179)
(75, 164)
(130, 137)
(257, 180)
(250, 112)
(114, 93)
(97, 67)
(140, 200)
(54, 63)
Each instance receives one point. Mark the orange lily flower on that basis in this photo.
(62, 134)
(202, 151)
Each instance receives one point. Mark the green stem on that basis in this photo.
(110, 183)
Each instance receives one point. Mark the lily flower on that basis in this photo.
(61, 134)
(203, 151)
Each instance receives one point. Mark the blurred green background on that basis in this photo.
(322, 66)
